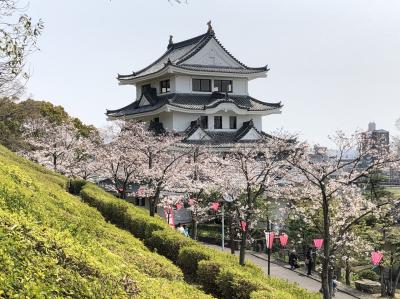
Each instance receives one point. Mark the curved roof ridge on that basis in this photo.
(187, 42)
(276, 104)
(170, 49)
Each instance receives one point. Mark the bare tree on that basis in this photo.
(18, 36)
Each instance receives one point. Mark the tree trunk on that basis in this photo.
(243, 247)
(383, 284)
(154, 201)
(348, 272)
(325, 277)
(194, 232)
(151, 207)
(396, 281)
(55, 162)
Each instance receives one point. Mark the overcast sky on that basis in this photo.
(334, 64)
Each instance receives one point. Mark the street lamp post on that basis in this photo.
(269, 239)
(226, 199)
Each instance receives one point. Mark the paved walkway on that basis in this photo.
(279, 271)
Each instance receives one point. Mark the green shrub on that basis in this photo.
(368, 274)
(271, 294)
(207, 272)
(189, 257)
(75, 186)
(237, 284)
(168, 243)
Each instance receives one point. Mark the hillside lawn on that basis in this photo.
(54, 245)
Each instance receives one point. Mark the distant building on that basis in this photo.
(375, 138)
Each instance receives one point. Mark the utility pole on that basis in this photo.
(223, 226)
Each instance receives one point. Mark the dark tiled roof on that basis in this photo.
(192, 101)
(178, 53)
(225, 138)
(222, 69)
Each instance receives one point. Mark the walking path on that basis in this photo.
(311, 283)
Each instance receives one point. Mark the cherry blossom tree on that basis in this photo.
(52, 145)
(86, 161)
(201, 178)
(160, 163)
(120, 160)
(331, 193)
(258, 170)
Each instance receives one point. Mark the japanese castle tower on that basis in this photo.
(199, 89)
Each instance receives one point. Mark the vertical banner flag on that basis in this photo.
(376, 257)
(283, 239)
(215, 206)
(269, 239)
(243, 225)
(318, 243)
(169, 215)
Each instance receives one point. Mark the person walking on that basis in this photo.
(186, 230)
(180, 229)
(293, 260)
(309, 260)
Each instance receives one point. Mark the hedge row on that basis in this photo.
(218, 273)
(52, 245)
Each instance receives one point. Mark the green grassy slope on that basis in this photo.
(52, 245)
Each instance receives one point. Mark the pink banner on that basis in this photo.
(215, 206)
(169, 216)
(376, 257)
(243, 225)
(269, 239)
(283, 239)
(318, 243)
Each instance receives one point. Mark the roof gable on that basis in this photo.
(143, 101)
(252, 134)
(198, 134)
(212, 54)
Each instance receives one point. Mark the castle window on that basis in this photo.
(204, 122)
(223, 85)
(201, 85)
(164, 86)
(232, 122)
(217, 122)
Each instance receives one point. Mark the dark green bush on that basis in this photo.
(272, 294)
(143, 226)
(75, 186)
(207, 272)
(168, 243)
(368, 274)
(234, 283)
(189, 257)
